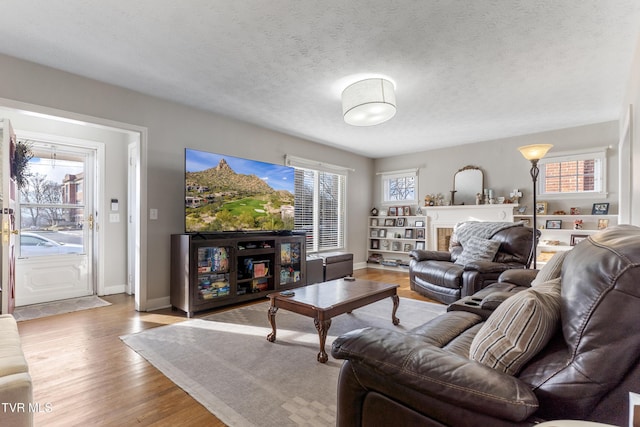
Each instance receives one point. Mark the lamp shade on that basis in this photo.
(369, 102)
(535, 151)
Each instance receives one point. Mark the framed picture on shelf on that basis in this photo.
(603, 223)
(374, 222)
(407, 210)
(420, 245)
(408, 233)
(600, 209)
(382, 233)
(420, 233)
(374, 233)
(389, 222)
(396, 246)
(419, 223)
(407, 247)
(553, 224)
(541, 208)
(400, 222)
(375, 244)
(392, 211)
(577, 238)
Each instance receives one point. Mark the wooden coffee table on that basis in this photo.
(324, 301)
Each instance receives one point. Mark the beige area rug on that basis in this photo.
(226, 363)
(35, 311)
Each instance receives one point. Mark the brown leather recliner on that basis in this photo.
(435, 274)
(586, 370)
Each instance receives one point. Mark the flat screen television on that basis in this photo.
(226, 193)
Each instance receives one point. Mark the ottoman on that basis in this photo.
(337, 265)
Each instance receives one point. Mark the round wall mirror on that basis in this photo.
(467, 183)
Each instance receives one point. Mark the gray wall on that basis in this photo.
(171, 128)
(504, 167)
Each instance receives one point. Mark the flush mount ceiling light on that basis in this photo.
(369, 102)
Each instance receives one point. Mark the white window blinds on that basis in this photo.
(320, 208)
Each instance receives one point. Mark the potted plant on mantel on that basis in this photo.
(20, 162)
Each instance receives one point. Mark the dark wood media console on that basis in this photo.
(209, 271)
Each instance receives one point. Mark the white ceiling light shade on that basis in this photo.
(369, 102)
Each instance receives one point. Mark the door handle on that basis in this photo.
(90, 221)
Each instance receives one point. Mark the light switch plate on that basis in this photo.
(153, 213)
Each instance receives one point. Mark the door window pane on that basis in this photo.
(52, 205)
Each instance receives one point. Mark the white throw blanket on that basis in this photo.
(463, 231)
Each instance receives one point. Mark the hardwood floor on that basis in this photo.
(87, 376)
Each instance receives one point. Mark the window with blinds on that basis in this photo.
(319, 208)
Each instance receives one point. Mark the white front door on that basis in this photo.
(56, 218)
(7, 216)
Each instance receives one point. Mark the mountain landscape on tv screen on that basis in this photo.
(219, 199)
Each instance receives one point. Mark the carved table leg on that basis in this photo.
(396, 302)
(272, 319)
(323, 328)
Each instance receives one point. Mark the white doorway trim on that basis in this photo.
(142, 134)
(625, 152)
(133, 216)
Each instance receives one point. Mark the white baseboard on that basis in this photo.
(158, 303)
(360, 265)
(113, 289)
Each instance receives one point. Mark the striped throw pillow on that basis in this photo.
(518, 329)
(551, 270)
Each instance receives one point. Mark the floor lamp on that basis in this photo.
(534, 153)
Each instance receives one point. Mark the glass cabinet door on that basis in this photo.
(213, 272)
(290, 263)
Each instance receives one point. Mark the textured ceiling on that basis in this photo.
(465, 71)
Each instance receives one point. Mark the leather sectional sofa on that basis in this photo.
(438, 275)
(584, 370)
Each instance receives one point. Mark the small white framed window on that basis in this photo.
(574, 174)
(400, 186)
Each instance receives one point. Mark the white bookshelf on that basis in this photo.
(564, 238)
(392, 238)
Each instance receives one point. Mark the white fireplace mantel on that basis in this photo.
(449, 216)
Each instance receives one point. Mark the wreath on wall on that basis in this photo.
(20, 162)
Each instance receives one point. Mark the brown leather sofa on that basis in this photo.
(435, 274)
(585, 371)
